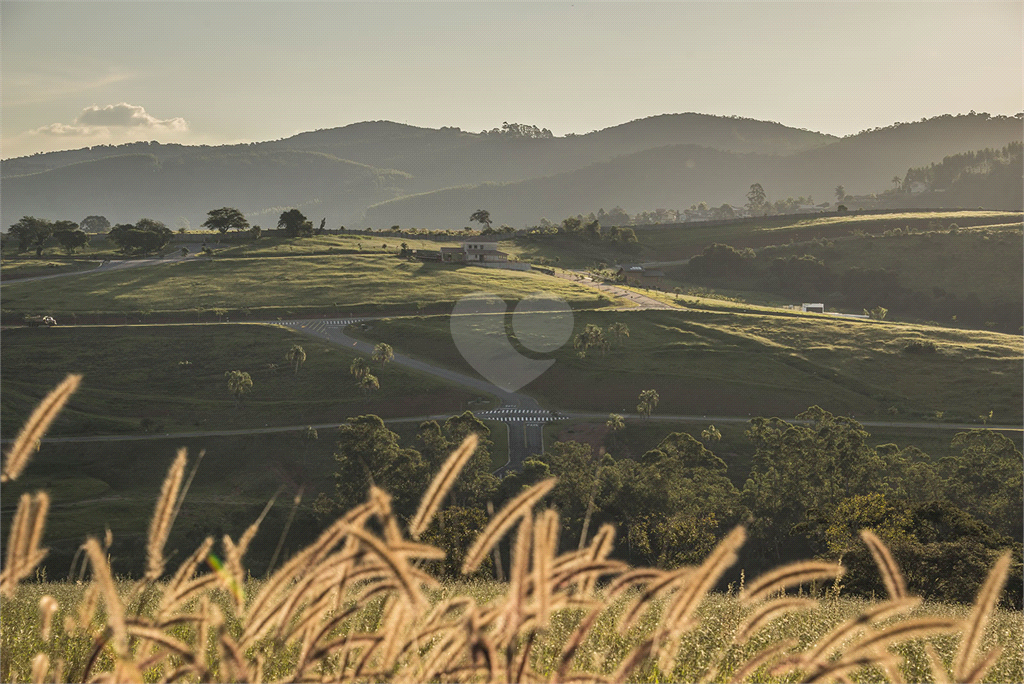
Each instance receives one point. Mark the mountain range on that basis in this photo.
(382, 173)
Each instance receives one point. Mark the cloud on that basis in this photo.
(125, 114)
(96, 120)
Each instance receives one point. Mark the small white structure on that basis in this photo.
(812, 308)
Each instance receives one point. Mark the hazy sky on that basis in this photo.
(77, 74)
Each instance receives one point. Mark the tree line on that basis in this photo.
(810, 488)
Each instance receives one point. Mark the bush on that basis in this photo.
(918, 347)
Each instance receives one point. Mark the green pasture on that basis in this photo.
(682, 241)
(723, 363)
(266, 288)
(30, 268)
(138, 373)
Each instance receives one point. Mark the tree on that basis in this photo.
(69, 236)
(296, 356)
(95, 224)
(840, 193)
(369, 383)
(481, 216)
(323, 222)
(648, 402)
(592, 336)
(756, 198)
(255, 232)
(239, 383)
(145, 237)
(32, 232)
(225, 219)
(897, 181)
(711, 434)
(359, 368)
(383, 353)
(620, 330)
(295, 224)
(615, 422)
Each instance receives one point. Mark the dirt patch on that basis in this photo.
(587, 433)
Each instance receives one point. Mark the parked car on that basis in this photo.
(36, 321)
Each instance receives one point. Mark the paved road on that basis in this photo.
(642, 301)
(106, 267)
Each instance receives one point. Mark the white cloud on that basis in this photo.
(124, 114)
(96, 120)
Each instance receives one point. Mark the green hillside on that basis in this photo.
(140, 374)
(720, 363)
(267, 288)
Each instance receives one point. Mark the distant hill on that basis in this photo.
(681, 175)
(384, 173)
(261, 184)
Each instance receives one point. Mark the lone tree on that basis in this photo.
(383, 353)
(225, 219)
(296, 356)
(615, 422)
(359, 368)
(481, 216)
(369, 383)
(239, 383)
(648, 402)
(295, 224)
(756, 198)
(620, 330)
(840, 193)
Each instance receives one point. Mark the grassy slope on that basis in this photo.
(709, 363)
(669, 243)
(133, 373)
(985, 262)
(269, 287)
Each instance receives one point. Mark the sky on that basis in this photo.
(76, 74)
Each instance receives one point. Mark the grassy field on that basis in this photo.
(670, 243)
(28, 268)
(277, 287)
(719, 615)
(135, 373)
(722, 363)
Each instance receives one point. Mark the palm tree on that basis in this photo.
(369, 383)
(615, 422)
(711, 434)
(383, 353)
(295, 356)
(840, 193)
(648, 402)
(239, 383)
(620, 330)
(897, 181)
(359, 368)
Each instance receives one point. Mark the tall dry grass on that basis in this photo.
(355, 605)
